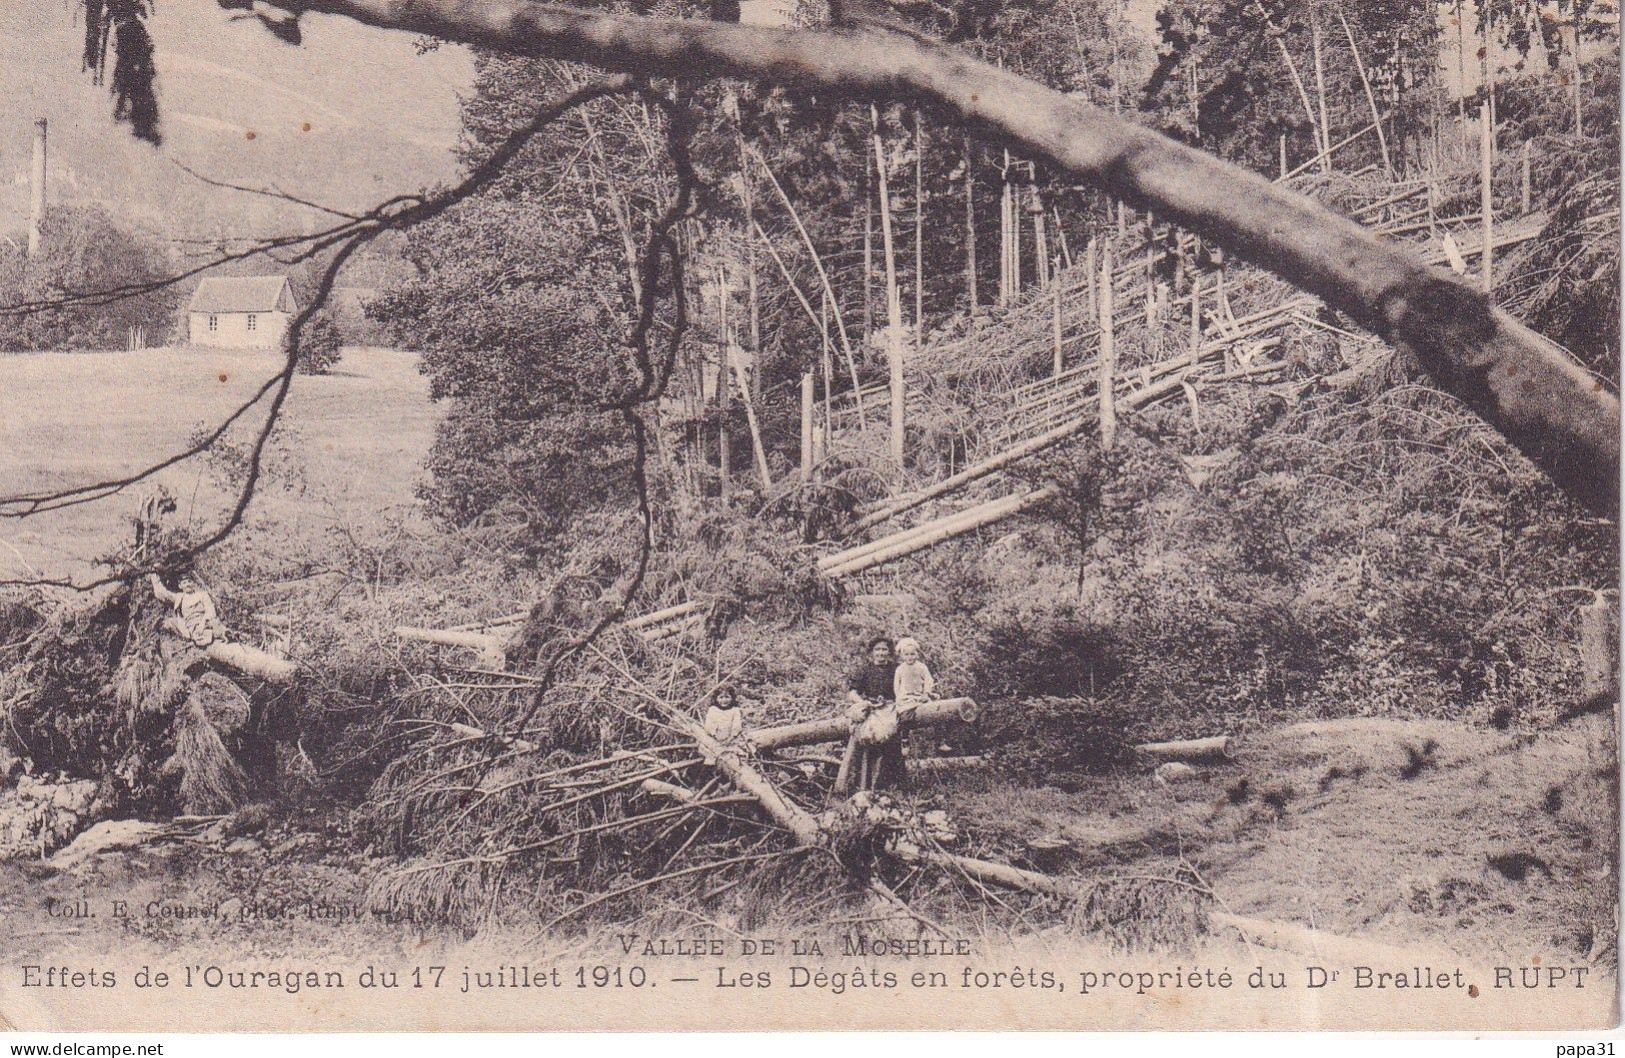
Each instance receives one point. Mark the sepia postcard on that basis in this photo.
(809, 514)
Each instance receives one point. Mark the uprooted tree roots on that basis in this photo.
(96, 691)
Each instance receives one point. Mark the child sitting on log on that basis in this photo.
(912, 684)
(724, 721)
(194, 617)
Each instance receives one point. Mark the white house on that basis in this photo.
(240, 312)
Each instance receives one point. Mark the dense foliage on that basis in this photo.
(1247, 79)
(519, 305)
(83, 251)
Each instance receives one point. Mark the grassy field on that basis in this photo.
(351, 444)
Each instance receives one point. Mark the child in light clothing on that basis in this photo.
(912, 683)
(194, 615)
(724, 721)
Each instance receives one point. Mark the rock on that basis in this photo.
(249, 819)
(1048, 853)
(75, 797)
(243, 846)
(1174, 771)
(297, 843)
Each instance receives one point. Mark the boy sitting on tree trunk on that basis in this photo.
(194, 618)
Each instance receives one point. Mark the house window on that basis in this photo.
(253, 321)
(214, 323)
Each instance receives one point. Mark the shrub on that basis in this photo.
(320, 344)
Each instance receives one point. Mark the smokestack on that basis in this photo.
(36, 205)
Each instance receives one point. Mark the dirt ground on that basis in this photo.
(1486, 843)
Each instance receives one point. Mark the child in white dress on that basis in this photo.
(912, 683)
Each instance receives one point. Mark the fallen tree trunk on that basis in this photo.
(1219, 747)
(493, 648)
(985, 870)
(851, 555)
(929, 535)
(485, 644)
(655, 633)
(660, 616)
(837, 728)
(465, 731)
(251, 661)
(807, 832)
(671, 791)
(792, 817)
(1078, 421)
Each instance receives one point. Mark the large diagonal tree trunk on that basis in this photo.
(1523, 385)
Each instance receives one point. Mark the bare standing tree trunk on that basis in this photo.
(1486, 204)
(1297, 79)
(1569, 36)
(750, 265)
(724, 404)
(894, 303)
(1370, 97)
(868, 253)
(919, 234)
(1107, 381)
(1320, 94)
(970, 228)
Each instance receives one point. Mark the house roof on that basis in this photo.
(242, 294)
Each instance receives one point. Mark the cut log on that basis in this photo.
(251, 661)
(837, 728)
(936, 764)
(1220, 747)
(984, 870)
(491, 650)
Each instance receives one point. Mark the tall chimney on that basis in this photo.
(36, 204)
